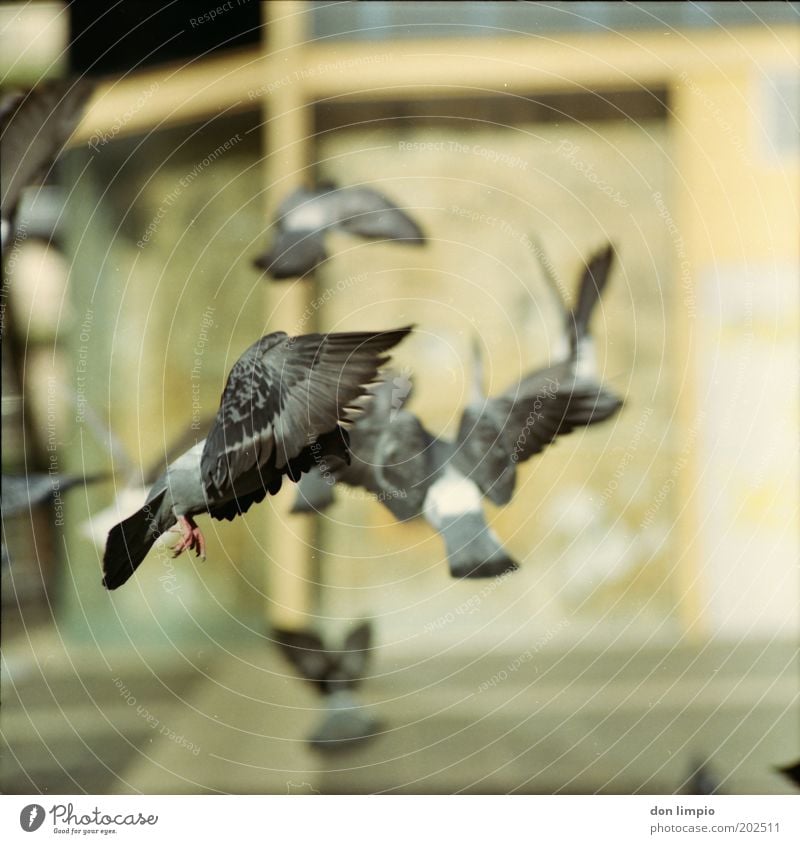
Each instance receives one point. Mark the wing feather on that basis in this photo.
(504, 431)
(34, 127)
(282, 395)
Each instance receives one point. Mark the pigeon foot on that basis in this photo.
(192, 539)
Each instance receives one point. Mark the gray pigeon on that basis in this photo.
(791, 772)
(33, 129)
(702, 779)
(334, 674)
(496, 434)
(284, 408)
(22, 492)
(305, 216)
(412, 473)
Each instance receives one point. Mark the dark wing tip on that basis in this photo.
(605, 255)
(294, 640)
(359, 637)
(398, 334)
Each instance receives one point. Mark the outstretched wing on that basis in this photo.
(367, 212)
(593, 281)
(33, 129)
(403, 465)
(283, 395)
(356, 651)
(505, 431)
(305, 651)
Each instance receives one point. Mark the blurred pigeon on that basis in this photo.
(304, 217)
(22, 492)
(285, 406)
(791, 772)
(33, 129)
(495, 434)
(334, 674)
(412, 473)
(702, 779)
(315, 490)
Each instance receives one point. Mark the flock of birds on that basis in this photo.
(321, 410)
(315, 405)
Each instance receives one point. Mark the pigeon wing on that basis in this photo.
(356, 651)
(492, 440)
(402, 466)
(367, 212)
(283, 395)
(33, 129)
(305, 651)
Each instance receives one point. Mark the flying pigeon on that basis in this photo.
(131, 495)
(496, 434)
(285, 407)
(305, 216)
(413, 473)
(791, 772)
(33, 129)
(334, 674)
(22, 492)
(702, 779)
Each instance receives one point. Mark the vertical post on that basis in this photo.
(287, 135)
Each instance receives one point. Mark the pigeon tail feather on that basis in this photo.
(472, 547)
(346, 723)
(129, 543)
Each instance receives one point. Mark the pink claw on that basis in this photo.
(191, 540)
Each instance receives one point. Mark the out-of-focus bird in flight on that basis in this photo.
(285, 407)
(413, 473)
(34, 127)
(702, 779)
(305, 216)
(791, 772)
(334, 673)
(22, 492)
(496, 434)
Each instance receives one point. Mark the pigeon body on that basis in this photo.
(413, 473)
(305, 216)
(33, 129)
(284, 409)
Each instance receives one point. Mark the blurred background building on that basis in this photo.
(654, 622)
